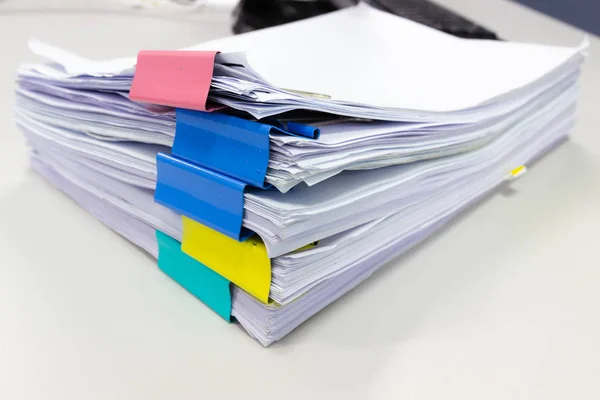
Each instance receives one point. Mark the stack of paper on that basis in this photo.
(373, 131)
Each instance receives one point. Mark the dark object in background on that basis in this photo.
(251, 15)
(580, 13)
(258, 14)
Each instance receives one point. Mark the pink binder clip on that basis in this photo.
(173, 78)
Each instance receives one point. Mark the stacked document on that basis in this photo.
(272, 172)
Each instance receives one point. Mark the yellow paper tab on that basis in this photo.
(517, 172)
(308, 246)
(246, 264)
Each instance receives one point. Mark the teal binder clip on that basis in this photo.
(204, 283)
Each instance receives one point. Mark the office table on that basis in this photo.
(502, 304)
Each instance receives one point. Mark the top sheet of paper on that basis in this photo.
(367, 56)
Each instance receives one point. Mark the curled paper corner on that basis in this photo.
(68, 60)
(75, 65)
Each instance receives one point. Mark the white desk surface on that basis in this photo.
(504, 304)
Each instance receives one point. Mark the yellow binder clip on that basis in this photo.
(246, 264)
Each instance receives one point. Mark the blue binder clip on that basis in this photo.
(214, 157)
(206, 196)
(232, 146)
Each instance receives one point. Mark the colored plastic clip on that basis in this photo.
(246, 264)
(173, 78)
(203, 195)
(230, 145)
(208, 286)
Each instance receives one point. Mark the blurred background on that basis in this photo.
(247, 15)
(584, 14)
